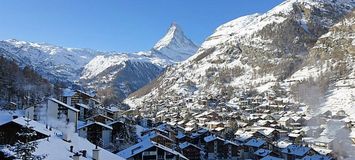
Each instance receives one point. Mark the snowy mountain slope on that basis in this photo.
(175, 45)
(102, 62)
(125, 73)
(51, 61)
(121, 72)
(333, 58)
(250, 51)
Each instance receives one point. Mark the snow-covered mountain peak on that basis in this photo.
(175, 45)
(173, 32)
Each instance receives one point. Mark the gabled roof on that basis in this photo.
(296, 150)
(243, 136)
(144, 145)
(231, 142)
(153, 134)
(38, 127)
(114, 122)
(82, 92)
(96, 123)
(187, 144)
(266, 131)
(212, 138)
(63, 104)
(101, 115)
(255, 142)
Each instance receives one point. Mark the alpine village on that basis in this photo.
(278, 85)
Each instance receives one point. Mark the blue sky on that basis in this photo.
(118, 25)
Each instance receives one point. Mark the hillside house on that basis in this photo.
(214, 124)
(9, 130)
(57, 110)
(100, 118)
(159, 138)
(214, 147)
(84, 110)
(120, 131)
(190, 151)
(252, 146)
(293, 152)
(97, 133)
(113, 112)
(71, 97)
(197, 137)
(285, 121)
(149, 150)
(232, 150)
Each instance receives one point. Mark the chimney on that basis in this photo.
(14, 117)
(96, 154)
(76, 156)
(66, 137)
(84, 153)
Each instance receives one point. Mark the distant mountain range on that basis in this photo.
(121, 72)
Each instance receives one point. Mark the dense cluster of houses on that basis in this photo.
(247, 127)
(262, 127)
(166, 141)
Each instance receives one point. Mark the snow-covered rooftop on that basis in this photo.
(97, 123)
(63, 104)
(212, 138)
(186, 144)
(39, 127)
(255, 142)
(142, 146)
(296, 150)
